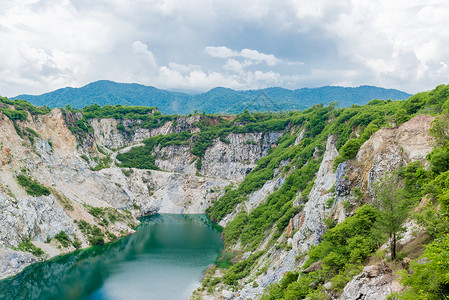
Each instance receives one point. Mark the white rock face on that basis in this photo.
(166, 192)
(31, 217)
(176, 159)
(280, 262)
(314, 209)
(232, 161)
(107, 135)
(374, 283)
(13, 262)
(236, 159)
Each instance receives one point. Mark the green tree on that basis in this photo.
(401, 116)
(393, 208)
(440, 130)
(429, 277)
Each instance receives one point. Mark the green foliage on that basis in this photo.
(414, 177)
(63, 238)
(104, 162)
(127, 172)
(96, 238)
(439, 159)
(348, 151)
(440, 130)
(76, 244)
(240, 269)
(17, 110)
(432, 101)
(138, 157)
(401, 116)
(14, 115)
(32, 187)
(117, 111)
(27, 246)
(94, 234)
(349, 242)
(97, 212)
(330, 202)
(393, 205)
(199, 164)
(294, 286)
(429, 276)
(225, 259)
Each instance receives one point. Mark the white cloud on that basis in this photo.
(220, 52)
(269, 59)
(292, 43)
(146, 57)
(224, 52)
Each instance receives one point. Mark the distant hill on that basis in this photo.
(217, 100)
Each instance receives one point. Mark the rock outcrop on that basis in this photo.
(12, 262)
(44, 149)
(375, 282)
(311, 226)
(386, 150)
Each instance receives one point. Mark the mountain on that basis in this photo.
(217, 100)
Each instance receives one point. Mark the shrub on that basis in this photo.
(32, 187)
(63, 238)
(27, 246)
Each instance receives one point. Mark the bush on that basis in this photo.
(32, 187)
(27, 246)
(428, 276)
(63, 238)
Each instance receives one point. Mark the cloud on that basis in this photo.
(220, 52)
(146, 57)
(200, 44)
(256, 56)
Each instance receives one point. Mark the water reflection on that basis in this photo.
(164, 259)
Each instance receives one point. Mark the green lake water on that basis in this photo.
(164, 259)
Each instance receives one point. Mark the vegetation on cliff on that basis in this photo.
(342, 255)
(345, 247)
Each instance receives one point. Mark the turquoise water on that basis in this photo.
(164, 259)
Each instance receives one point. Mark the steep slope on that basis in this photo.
(326, 232)
(58, 175)
(294, 191)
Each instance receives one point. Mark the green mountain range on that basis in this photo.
(217, 100)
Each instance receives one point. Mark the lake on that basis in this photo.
(164, 259)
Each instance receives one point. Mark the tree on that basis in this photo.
(393, 206)
(440, 130)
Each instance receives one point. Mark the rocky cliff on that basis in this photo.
(91, 199)
(46, 149)
(385, 151)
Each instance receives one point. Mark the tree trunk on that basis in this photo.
(393, 247)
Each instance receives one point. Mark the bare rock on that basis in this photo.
(314, 267)
(374, 283)
(12, 262)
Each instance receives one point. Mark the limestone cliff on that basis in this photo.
(87, 186)
(385, 151)
(46, 149)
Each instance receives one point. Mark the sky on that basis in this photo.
(245, 44)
